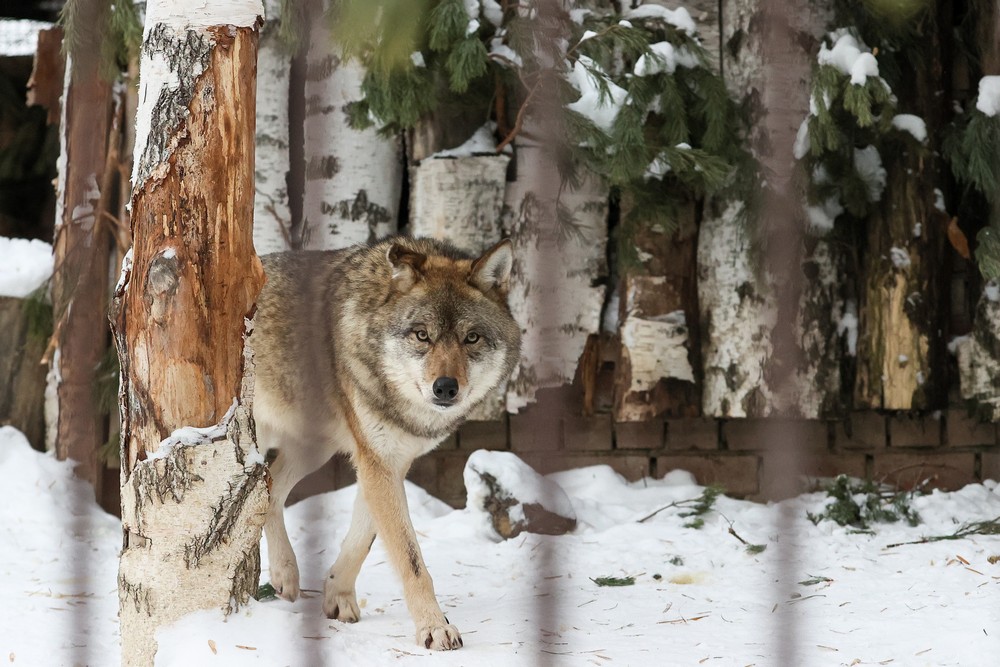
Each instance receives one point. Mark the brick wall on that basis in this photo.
(946, 451)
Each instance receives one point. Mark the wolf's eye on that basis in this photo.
(421, 335)
(472, 337)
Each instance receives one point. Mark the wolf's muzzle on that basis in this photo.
(445, 390)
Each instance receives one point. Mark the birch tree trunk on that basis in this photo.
(194, 487)
(81, 248)
(900, 342)
(658, 324)
(738, 293)
(354, 178)
(554, 294)
(272, 219)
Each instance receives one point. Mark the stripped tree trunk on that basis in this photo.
(272, 226)
(979, 353)
(738, 293)
(193, 499)
(353, 177)
(900, 345)
(81, 248)
(554, 295)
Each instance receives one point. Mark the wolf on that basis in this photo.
(378, 351)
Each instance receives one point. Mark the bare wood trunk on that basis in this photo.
(555, 293)
(354, 178)
(82, 250)
(900, 343)
(194, 487)
(272, 227)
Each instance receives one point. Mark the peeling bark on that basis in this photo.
(658, 323)
(194, 486)
(559, 242)
(353, 177)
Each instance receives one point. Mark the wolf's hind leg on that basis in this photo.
(340, 600)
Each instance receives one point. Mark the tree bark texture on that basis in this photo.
(658, 324)
(560, 239)
(194, 487)
(752, 281)
(354, 178)
(82, 251)
(900, 344)
(272, 226)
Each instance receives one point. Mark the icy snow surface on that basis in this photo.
(989, 95)
(698, 599)
(24, 266)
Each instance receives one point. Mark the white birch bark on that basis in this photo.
(271, 216)
(559, 253)
(738, 300)
(353, 177)
(193, 504)
(979, 357)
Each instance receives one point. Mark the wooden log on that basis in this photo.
(194, 486)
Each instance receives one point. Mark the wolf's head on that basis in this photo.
(450, 339)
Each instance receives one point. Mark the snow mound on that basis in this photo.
(601, 112)
(24, 265)
(850, 56)
(515, 479)
(480, 143)
(679, 18)
(989, 95)
(915, 125)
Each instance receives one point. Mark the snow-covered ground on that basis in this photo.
(698, 596)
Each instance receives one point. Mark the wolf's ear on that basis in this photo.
(492, 270)
(406, 266)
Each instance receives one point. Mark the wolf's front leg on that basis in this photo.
(340, 600)
(383, 492)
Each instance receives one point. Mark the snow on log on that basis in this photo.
(979, 357)
(272, 217)
(559, 239)
(192, 513)
(353, 177)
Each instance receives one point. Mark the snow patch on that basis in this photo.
(992, 291)
(905, 122)
(19, 37)
(900, 257)
(847, 327)
(188, 436)
(822, 217)
(801, 146)
(679, 18)
(988, 101)
(25, 264)
(939, 200)
(850, 56)
(664, 57)
(493, 12)
(601, 112)
(417, 58)
(868, 165)
(482, 142)
(503, 53)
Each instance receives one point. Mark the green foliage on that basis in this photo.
(614, 581)
(266, 592)
(115, 32)
(971, 148)
(754, 549)
(702, 506)
(675, 134)
(37, 312)
(860, 504)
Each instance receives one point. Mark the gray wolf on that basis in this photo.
(379, 352)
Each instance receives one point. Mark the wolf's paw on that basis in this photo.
(285, 579)
(439, 637)
(341, 605)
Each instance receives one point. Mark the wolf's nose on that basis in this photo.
(445, 388)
